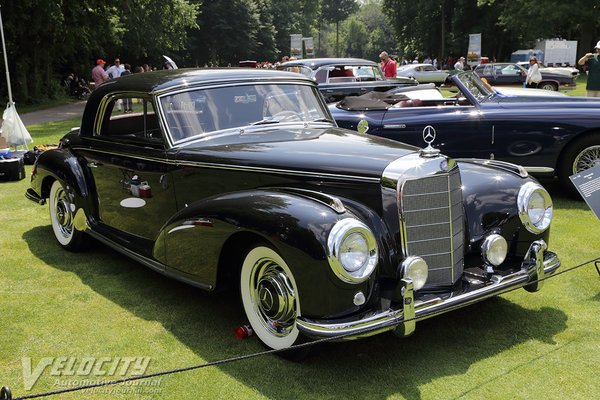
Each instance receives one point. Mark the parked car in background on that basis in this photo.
(423, 73)
(567, 71)
(241, 178)
(341, 77)
(498, 74)
(547, 135)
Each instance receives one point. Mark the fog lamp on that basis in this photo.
(417, 270)
(494, 249)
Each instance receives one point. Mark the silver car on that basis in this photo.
(423, 73)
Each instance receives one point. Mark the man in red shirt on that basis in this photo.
(388, 66)
(99, 75)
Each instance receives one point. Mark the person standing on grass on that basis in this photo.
(115, 71)
(388, 66)
(127, 102)
(534, 76)
(99, 75)
(593, 78)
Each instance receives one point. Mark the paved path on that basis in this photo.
(53, 114)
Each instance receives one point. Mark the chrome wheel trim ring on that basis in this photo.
(265, 272)
(273, 297)
(61, 214)
(587, 158)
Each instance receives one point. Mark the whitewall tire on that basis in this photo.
(270, 297)
(62, 216)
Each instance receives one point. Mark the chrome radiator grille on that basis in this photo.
(431, 218)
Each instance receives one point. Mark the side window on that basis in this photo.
(131, 119)
(321, 76)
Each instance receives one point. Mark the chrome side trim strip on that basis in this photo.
(510, 167)
(539, 170)
(389, 319)
(237, 167)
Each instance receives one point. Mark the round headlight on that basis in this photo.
(494, 249)
(417, 270)
(352, 250)
(535, 207)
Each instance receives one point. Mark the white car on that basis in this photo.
(567, 71)
(423, 73)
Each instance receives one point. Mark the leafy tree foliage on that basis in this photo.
(336, 11)
(48, 39)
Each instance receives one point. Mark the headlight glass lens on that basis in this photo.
(494, 249)
(417, 270)
(535, 207)
(352, 251)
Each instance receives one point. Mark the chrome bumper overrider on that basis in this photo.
(30, 194)
(537, 264)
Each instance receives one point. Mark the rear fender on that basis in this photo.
(61, 164)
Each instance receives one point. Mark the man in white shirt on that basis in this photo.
(460, 64)
(115, 71)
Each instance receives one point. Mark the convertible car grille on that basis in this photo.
(432, 219)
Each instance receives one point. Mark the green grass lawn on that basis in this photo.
(100, 304)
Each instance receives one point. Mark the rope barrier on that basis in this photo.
(5, 392)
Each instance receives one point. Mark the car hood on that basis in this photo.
(326, 151)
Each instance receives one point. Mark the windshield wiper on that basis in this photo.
(323, 120)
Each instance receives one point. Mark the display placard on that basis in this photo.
(588, 185)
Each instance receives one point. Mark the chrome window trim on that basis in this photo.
(184, 89)
(101, 111)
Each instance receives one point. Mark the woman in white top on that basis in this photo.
(533, 73)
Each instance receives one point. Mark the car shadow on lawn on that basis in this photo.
(375, 367)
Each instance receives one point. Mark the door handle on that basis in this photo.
(93, 165)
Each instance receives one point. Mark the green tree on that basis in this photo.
(356, 37)
(48, 39)
(336, 11)
(228, 32)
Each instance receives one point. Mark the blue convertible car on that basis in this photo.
(546, 134)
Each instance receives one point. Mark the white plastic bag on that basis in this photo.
(13, 129)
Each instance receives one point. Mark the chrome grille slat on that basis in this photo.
(431, 218)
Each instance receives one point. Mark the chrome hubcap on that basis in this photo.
(588, 158)
(273, 297)
(64, 216)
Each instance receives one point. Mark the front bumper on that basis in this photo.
(537, 264)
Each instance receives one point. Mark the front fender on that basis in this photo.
(490, 203)
(296, 226)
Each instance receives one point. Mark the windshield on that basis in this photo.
(475, 85)
(215, 113)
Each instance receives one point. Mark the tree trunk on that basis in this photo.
(442, 37)
(337, 38)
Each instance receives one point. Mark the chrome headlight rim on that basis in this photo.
(489, 245)
(410, 269)
(526, 193)
(339, 233)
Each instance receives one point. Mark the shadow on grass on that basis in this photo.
(375, 367)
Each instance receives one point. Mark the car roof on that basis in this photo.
(159, 81)
(315, 63)
(156, 82)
